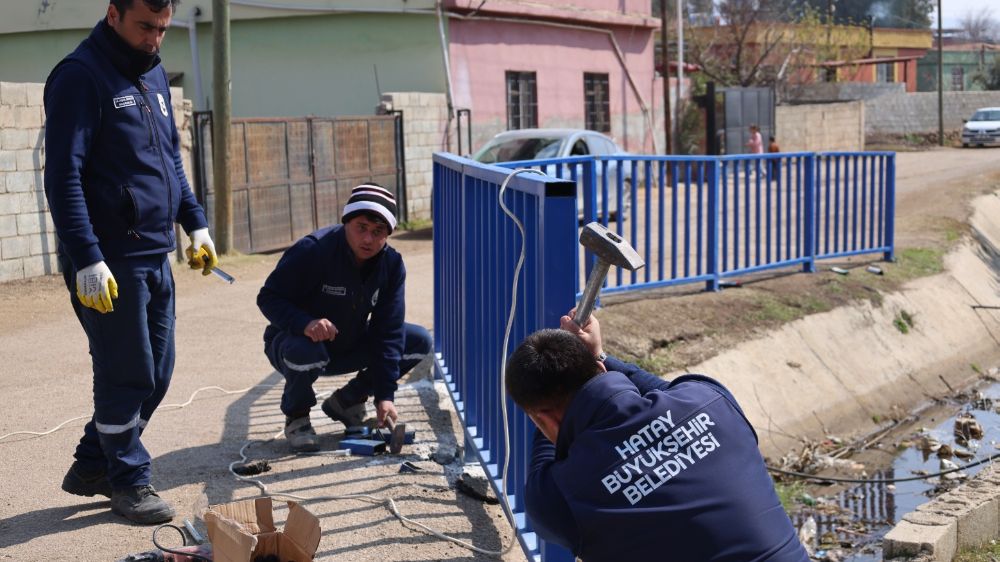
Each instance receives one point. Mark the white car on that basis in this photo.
(548, 144)
(983, 129)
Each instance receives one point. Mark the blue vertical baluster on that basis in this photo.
(881, 199)
(714, 268)
(673, 220)
(687, 219)
(826, 204)
(662, 225)
(863, 219)
(605, 215)
(854, 203)
(809, 211)
(648, 242)
(747, 225)
(736, 214)
(700, 186)
(633, 197)
(872, 202)
(757, 215)
(788, 208)
(723, 180)
(620, 202)
(777, 209)
(772, 165)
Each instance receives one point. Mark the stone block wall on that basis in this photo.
(425, 131)
(27, 235)
(821, 127)
(918, 112)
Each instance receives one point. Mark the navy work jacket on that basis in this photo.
(318, 278)
(113, 173)
(672, 474)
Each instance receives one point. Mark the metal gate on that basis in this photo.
(293, 175)
(744, 107)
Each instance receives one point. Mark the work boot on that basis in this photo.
(347, 414)
(301, 435)
(80, 482)
(141, 504)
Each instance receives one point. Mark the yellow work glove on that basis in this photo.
(96, 287)
(201, 252)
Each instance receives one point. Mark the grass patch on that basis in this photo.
(789, 493)
(912, 263)
(416, 224)
(656, 364)
(986, 553)
(774, 309)
(903, 321)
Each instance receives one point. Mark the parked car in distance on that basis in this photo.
(983, 129)
(547, 144)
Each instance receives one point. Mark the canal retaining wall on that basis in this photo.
(843, 372)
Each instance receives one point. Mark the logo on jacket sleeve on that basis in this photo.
(335, 291)
(124, 101)
(163, 105)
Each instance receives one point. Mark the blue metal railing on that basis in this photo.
(476, 248)
(703, 218)
(693, 219)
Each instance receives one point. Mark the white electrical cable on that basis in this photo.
(506, 341)
(161, 407)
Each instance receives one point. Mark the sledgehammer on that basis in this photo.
(610, 249)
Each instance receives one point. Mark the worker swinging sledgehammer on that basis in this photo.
(335, 305)
(628, 466)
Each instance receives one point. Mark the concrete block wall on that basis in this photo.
(918, 112)
(425, 131)
(27, 235)
(842, 91)
(966, 516)
(820, 127)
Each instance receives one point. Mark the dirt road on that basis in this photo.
(45, 379)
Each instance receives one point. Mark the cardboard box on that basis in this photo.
(243, 530)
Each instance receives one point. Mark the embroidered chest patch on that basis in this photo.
(335, 291)
(124, 101)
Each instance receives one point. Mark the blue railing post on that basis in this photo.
(713, 267)
(809, 212)
(590, 205)
(890, 208)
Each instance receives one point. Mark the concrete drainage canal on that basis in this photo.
(894, 471)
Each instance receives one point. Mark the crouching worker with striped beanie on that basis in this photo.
(335, 306)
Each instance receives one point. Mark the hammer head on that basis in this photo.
(397, 438)
(609, 247)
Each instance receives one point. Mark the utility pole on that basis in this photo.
(940, 69)
(680, 70)
(222, 113)
(665, 65)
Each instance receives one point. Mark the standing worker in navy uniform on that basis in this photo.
(115, 187)
(335, 304)
(627, 466)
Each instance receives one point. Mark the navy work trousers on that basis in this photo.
(132, 349)
(302, 361)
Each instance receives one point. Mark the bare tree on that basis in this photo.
(979, 25)
(757, 45)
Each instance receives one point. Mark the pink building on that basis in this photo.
(549, 63)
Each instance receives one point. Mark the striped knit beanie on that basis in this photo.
(374, 198)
